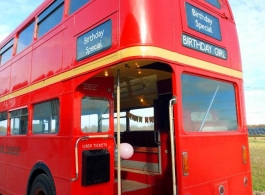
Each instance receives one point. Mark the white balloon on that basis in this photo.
(126, 150)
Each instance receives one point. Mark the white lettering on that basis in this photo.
(92, 36)
(201, 26)
(203, 46)
(98, 145)
(198, 45)
(220, 53)
(87, 146)
(201, 16)
(102, 145)
(94, 48)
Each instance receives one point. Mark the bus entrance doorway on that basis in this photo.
(145, 92)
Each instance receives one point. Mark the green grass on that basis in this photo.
(257, 150)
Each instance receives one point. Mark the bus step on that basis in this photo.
(128, 186)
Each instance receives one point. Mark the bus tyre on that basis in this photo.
(42, 186)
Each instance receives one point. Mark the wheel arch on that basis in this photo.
(37, 169)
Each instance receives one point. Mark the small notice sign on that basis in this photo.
(203, 22)
(94, 41)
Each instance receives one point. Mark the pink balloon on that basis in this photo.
(126, 150)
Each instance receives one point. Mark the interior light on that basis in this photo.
(106, 73)
(142, 100)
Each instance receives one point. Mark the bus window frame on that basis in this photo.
(74, 11)
(32, 22)
(47, 12)
(220, 6)
(9, 46)
(2, 120)
(10, 120)
(102, 119)
(236, 104)
(57, 124)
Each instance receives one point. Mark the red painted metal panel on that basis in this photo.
(47, 58)
(5, 79)
(146, 23)
(20, 76)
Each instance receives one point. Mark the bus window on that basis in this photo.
(208, 105)
(25, 37)
(215, 3)
(19, 121)
(50, 17)
(6, 52)
(122, 122)
(141, 119)
(46, 117)
(76, 4)
(3, 123)
(95, 114)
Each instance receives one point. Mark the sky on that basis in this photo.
(249, 17)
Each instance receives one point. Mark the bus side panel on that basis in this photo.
(5, 81)
(68, 45)
(46, 93)
(47, 56)
(63, 186)
(66, 169)
(2, 164)
(20, 76)
(141, 23)
(16, 163)
(213, 160)
(85, 19)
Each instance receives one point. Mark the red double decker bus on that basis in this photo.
(81, 77)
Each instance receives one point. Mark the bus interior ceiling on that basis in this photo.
(145, 91)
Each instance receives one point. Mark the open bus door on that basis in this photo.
(142, 105)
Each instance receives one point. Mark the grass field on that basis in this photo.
(257, 155)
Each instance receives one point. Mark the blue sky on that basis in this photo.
(249, 16)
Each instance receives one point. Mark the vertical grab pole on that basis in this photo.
(172, 143)
(118, 132)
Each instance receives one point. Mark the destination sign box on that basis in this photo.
(94, 41)
(202, 46)
(203, 22)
